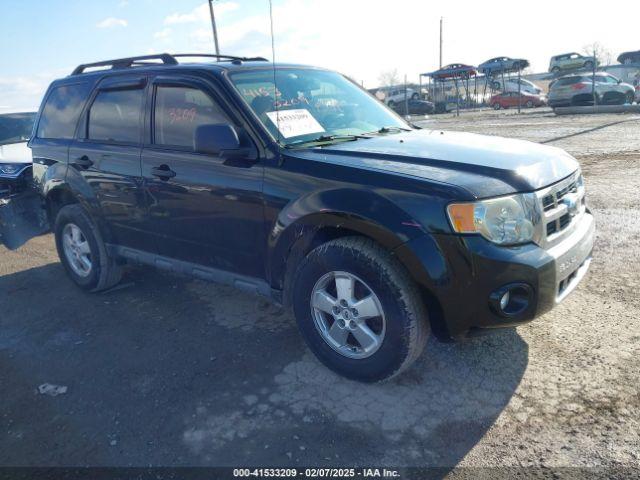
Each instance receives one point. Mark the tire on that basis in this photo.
(629, 98)
(391, 104)
(588, 65)
(103, 272)
(415, 96)
(555, 69)
(401, 329)
(496, 106)
(529, 104)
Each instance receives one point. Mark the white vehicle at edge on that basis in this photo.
(15, 156)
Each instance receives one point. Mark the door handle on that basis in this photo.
(163, 172)
(83, 162)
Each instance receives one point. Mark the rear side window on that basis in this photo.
(179, 111)
(115, 116)
(569, 81)
(62, 110)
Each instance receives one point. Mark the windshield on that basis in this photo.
(312, 104)
(16, 127)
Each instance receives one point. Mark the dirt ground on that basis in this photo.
(168, 371)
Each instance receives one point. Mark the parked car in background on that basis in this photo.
(454, 70)
(416, 107)
(571, 61)
(627, 58)
(502, 64)
(579, 89)
(510, 99)
(15, 156)
(513, 84)
(397, 95)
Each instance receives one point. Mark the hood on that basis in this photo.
(484, 165)
(15, 153)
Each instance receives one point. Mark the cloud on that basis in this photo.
(200, 13)
(112, 22)
(21, 93)
(123, 3)
(163, 34)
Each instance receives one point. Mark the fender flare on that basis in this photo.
(321, 216)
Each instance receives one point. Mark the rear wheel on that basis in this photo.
(358, 310)
(82, 251)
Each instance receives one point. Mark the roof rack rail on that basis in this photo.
(228, 57)
(167, 59)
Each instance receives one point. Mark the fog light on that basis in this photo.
(504, 301)
(511, 300)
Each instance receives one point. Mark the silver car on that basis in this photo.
(579, 90)
(571, 61)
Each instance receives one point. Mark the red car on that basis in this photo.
(510, 99)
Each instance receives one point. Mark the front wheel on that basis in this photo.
(358, 310)
(82, 251)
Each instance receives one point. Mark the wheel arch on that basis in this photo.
(295, 234)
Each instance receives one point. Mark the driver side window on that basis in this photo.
(179, 111)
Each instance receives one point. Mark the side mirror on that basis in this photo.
(216, 139)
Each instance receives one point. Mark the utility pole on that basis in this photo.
(213, 27)
(593, 78)
(441, 18)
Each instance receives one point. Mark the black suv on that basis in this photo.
(294, 183)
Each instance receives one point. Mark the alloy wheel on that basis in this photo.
(348, 315)
(77, 250)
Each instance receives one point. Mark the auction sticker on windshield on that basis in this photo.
(293, 123)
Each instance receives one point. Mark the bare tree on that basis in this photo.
(388, 78)
(603, 55)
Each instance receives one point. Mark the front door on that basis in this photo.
(203, 208)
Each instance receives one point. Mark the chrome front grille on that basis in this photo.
(562, 205)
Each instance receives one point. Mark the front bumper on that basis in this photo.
(15, 183)
(462, 273)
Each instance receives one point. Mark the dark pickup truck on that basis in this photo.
(294, 183)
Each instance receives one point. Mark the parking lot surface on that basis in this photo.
(170, 371)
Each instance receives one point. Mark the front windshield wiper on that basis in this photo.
(327, 139)
(391, 129)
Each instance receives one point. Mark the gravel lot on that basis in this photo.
(168, 371)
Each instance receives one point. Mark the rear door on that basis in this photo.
(106, 156)
(203, 208)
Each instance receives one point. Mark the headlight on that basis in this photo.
(10, 168)
(505, 220)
